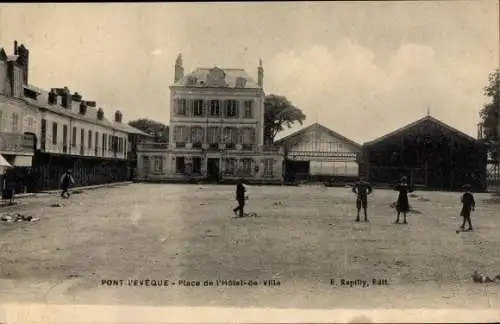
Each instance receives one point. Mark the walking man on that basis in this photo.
(468, 205)
(362, 189)
(66, 181)
(240, 198)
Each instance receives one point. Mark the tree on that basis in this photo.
(158, 130)
(490, 111)
(278, 112)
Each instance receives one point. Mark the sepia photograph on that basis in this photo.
(250, 162)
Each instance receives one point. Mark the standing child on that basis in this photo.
(402, 204)
(66, 181)
(468, 205)
(362, 189)
(240, 198)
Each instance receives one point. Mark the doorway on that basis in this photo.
(213, 169)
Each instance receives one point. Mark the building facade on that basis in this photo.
(62, 129)
(216, 130)
(318, 153)
(430, 153)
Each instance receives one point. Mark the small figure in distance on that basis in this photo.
(240, 198)
(66, 181)
(402, 204)
(362, 189)
(468, 205)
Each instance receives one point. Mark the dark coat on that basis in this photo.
(402, 204)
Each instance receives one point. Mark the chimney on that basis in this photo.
(260, 74)
(118, 116)
(24, 58)
(83, 108)
(66, 98)
(76, 97)
(179, 69)
(15, 47)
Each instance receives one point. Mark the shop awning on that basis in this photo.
(4, 163)
(23, 160)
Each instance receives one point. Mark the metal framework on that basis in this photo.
(322, 156)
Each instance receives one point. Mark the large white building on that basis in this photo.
(216, 130)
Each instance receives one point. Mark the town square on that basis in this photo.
(187, 232)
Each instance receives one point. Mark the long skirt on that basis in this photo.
(402, 205)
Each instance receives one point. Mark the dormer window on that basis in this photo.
(83, 108)
(191, 80)
(118, 116)
(28, 93)
(100, 114)
(240, 82)
(216, 78)
(52, 97)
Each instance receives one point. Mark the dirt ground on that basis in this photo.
(302, 238)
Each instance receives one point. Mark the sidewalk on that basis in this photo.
(51, 192)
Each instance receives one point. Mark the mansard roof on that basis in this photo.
(90, 115)
(200, 76)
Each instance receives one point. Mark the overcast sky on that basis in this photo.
(359, 68)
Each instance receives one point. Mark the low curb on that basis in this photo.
(84, 188)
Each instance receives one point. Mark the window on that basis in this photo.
(180, 107)
(197, 107)
(197, 135)
(248, 109)
(179, 164)
(82, 141)
(110, 143)
(1, 121)
(90, 139)
(54, 133)
(15, 123)
(213, 134)
(158, 163)
(247, 137)
(231, 108)
(230, 167)
(43, 131)
(230, 136)
(65, 138)
(246, 167)
(181, 135)
(104, 143)
(268, 167)
(73, 138)
(96, 146)
(197, 165)
(214, 108)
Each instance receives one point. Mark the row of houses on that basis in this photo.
(43, 132)
(217, 132)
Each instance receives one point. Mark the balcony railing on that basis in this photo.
(152, 146)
